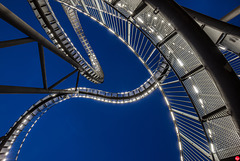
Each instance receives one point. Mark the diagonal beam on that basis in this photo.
(9, 43)
(77, 81)
(231, 14)
(84, 6)
(18, 23)
(42, 61)
(61, 80)
(196, 146)
(186, 114)
(30, 90)
(100, 12)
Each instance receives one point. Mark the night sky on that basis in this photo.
(83, 129)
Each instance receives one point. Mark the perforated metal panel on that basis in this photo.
(155, 25)
(181, 55)
(224, 137)
(127, 7)
(208, 97)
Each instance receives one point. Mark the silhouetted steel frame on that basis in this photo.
(235, 12)
(212, 22)
(29, 112)
(191, 43)
(212, 59)
(9, 43)
(179, 78)
(18, 23)
(6, 137)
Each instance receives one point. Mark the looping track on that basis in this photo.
(192, 91)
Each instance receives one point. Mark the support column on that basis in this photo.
(212, 59)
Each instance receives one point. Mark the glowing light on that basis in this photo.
(176, 129)
(131, 48)
(130, 12)
(201, 101)
(159, 37)
(148, 15)
(222, 47)
(155, 18)
(210, 132)
(160, 88)
(212, 148)
(237, 158)
(140, 20)
(180, 145)
(195, 89)
(151, 29)
(94, 18)
(111, 30)
(180, 62)
(172, 116)
(166, 100)
(6, 153)
(121, 5)
(121, 39)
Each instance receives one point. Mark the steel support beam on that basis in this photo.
(18, 23)
(231, 14)
(196, 146)
(77, 80)
(212, 22)
(212, 59)
(216, 112)
(185, 114)
(9, 43)
(168, 37)
(192, 72)
(61, 80)
(129, 33)
(100, 12)
(30, 90)
(84, 6)
(139, 8)
(150, 54)
(42, 61)
(44, 18)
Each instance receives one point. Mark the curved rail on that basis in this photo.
(72, 16)
(194, 75)
(44, 104)
(52, 27)
(203, 125)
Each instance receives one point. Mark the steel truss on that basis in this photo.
(185, 64)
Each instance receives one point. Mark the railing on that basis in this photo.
(203, 125)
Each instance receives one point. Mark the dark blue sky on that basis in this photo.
(83, 129)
